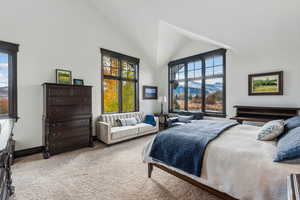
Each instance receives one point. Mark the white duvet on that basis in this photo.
(241, 166)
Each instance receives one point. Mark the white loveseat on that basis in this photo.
(109, 132)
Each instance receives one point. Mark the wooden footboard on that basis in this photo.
(217, 193)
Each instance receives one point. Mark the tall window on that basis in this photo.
(119, 82)
(197, 83)
(8, 80)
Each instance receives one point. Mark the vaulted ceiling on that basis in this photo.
(159, 28)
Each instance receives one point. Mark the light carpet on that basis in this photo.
(100, 173)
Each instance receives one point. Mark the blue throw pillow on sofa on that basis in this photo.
(149, 119)
(292, 123)
(288, 146)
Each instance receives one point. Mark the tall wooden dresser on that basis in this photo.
(67, 118)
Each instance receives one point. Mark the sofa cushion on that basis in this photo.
(143, 127)
(112, 119)
(123, 132)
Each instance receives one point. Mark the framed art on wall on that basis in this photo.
(63, 76)
(150, 92)
(78, 82)
(266, 83)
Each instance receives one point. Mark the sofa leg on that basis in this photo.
(150, 169)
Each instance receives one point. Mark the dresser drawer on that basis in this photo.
(69, 124)
(69, 110)
(68, 101)
(65, 134)
(82, 92)
(59, 91)
(68, 144)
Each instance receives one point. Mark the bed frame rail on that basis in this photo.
(217, 193)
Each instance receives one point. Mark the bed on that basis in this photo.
(236, 166)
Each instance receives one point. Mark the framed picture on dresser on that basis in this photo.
(63, 76)
(266, 84)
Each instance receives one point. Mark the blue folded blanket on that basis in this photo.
(183, 147)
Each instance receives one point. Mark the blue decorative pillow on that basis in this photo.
(149, 119)
(292, 123)
(288, 146)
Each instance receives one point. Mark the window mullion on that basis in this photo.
(203, 85)
(186, 89)
(120, 86)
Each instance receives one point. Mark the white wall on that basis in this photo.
(59, 34)
(239, 65)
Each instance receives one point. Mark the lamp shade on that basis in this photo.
(163, 99)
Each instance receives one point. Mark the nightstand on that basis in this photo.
(293, 187)
(162, 117)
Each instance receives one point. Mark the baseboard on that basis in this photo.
(34, 150)
(27, 152)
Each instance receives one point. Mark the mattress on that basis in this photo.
(238, 164)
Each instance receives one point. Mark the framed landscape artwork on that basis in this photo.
(266, 83)
(150, 92)
(78, 81)
(63, 76)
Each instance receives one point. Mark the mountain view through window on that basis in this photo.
(4, 83)
(197, 84)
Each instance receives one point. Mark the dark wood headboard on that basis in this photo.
(263, 114)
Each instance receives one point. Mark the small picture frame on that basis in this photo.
(266, 84)
(63, 76)
(78, 82)
(150, 92)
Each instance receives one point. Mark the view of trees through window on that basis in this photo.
(4, 83)
(120, 81)
(197, 84)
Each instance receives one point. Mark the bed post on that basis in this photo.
(150, 168)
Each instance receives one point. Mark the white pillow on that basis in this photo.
(128, 121)
(271, 130)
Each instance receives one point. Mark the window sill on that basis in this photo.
(221, 115)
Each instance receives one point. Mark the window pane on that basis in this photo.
(209, 71)
(128, 70)
(198, 64)
(181, 69)
(181, 76)
(128, 96)
(110, 66)
(209, 62)
(218, 60)
(191, 66)
(214, 94)
(191, 74)
(178, 96)
(124, 69)
(3, 83)
(106, 65)
(198, 73)
(218, 70)
(194, 95)
(111, 94)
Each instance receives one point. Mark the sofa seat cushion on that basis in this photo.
(143, 127)
(123, 132)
